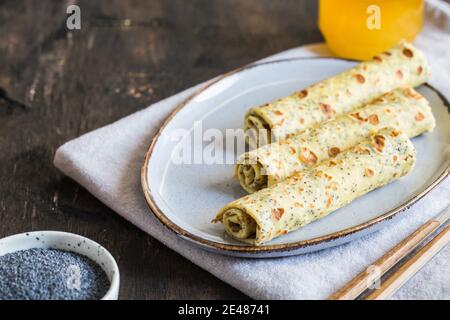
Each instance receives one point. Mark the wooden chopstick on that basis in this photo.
(370, 275)
(411, 267)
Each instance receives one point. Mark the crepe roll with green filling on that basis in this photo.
(314, 193)
(403, 109)
(401, 66)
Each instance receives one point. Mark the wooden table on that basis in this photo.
(57, 84)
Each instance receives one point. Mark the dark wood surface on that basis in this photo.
(57, 84)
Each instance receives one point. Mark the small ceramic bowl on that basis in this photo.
(68, 242)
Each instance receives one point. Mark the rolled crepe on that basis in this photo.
(403, 109)
(314, 193)
(401, 66)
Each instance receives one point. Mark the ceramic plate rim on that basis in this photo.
(159, 214)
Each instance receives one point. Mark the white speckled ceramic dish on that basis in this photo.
(69, 242)
(186, 197)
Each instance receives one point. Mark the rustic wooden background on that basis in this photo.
(56, 85)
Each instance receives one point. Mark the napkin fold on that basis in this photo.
(107, 163)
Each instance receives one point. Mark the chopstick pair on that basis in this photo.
(373, 273)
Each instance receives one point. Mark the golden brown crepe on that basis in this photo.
(403, 109)
(401, 66)
(312, 194)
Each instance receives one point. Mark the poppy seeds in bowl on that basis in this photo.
(50, 274)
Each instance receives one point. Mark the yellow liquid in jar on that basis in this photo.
(360, 29)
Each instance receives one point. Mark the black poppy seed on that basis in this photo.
(50, 274)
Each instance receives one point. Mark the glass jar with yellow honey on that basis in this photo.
(359, 29)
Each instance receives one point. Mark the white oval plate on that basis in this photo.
(185, 198)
